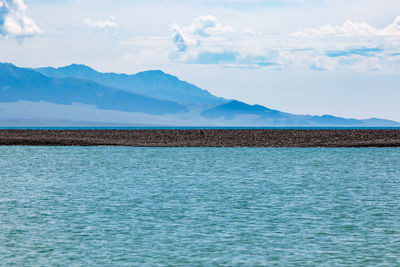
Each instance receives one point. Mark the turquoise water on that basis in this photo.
(117, 206)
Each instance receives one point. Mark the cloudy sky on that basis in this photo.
(339, 57)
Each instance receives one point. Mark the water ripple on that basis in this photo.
(199, 206)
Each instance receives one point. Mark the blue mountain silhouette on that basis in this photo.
(25, 84)
(153, 83)
(149, 92)
(235, 108)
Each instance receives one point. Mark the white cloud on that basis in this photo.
(207, 26)
(394, 28)
(202, 28)
(14, 22)
(352, 45)
(351, 29)
(109, 23)
(180, 39)
(204, 40)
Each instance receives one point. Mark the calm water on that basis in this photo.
(116, 206)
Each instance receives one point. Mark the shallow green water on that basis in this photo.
(114, 206)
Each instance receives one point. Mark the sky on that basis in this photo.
(313, 57)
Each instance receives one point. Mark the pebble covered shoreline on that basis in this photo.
(203, 138)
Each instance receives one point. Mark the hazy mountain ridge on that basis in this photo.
(23, 84)
(62, 88)
(235, 108)
(153, 83)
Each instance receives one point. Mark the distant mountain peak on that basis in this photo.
(7, 64)
(152, 83)
(28, 85)
(152, 71)
(146, 93)
(77, 67)
(234, 108)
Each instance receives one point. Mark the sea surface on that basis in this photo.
(125, 206)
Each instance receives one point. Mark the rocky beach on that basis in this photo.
(204, 138)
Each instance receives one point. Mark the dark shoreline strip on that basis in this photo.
(203, 138)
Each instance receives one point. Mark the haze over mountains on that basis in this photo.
(153, 83)
(23, 84)
(77, 93)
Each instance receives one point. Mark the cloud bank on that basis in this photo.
(356, 45)
(14, 23)
(353, 29)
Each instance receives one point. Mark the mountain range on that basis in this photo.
(153, 83)
(80, 93)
